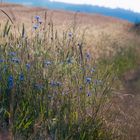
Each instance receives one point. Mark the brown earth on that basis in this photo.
(127, 103)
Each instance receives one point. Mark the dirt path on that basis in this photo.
(127, 102)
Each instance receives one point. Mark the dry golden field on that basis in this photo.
(100, 31)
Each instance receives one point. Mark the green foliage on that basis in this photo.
(125, 61)
(6, 29)
(51, 88)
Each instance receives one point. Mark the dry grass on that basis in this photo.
(101, 31)
(104, 35)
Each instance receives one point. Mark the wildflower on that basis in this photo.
(10, 82)
(88, 56)
(40, 21)
(21, 77)
(15, 60)
(81, 88)
(37, 18)
(69, 61)
(47, 63)
(28, 66)
(35, 26)
(55, 84)
(1, 60)
(70, 34)
(88, 80)
(89, 94)
(12, 53)
(93, 70)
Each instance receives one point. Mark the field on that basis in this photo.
(67, 76)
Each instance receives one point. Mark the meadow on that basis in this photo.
(53, 88)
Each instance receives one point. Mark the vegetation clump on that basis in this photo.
(50, 87)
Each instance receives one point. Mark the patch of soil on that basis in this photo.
(131, 81)
(127, 104)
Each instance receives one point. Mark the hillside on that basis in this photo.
(97, 27)
(117, 12)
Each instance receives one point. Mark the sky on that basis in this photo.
(133, 5)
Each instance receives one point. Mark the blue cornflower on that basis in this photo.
(36, 26)
(21, 77)
(55, 84)
(28, 66)
(70, 34)
(47, 63)
(81, 88)
(10, 82)
(69, 61)
(52, 83)
(89, 94)
(12, 53)
(15, 60)
(93, 70)
(1, 60)
(88, 80)
(37, 18)
(88, 56)
(40, 21)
